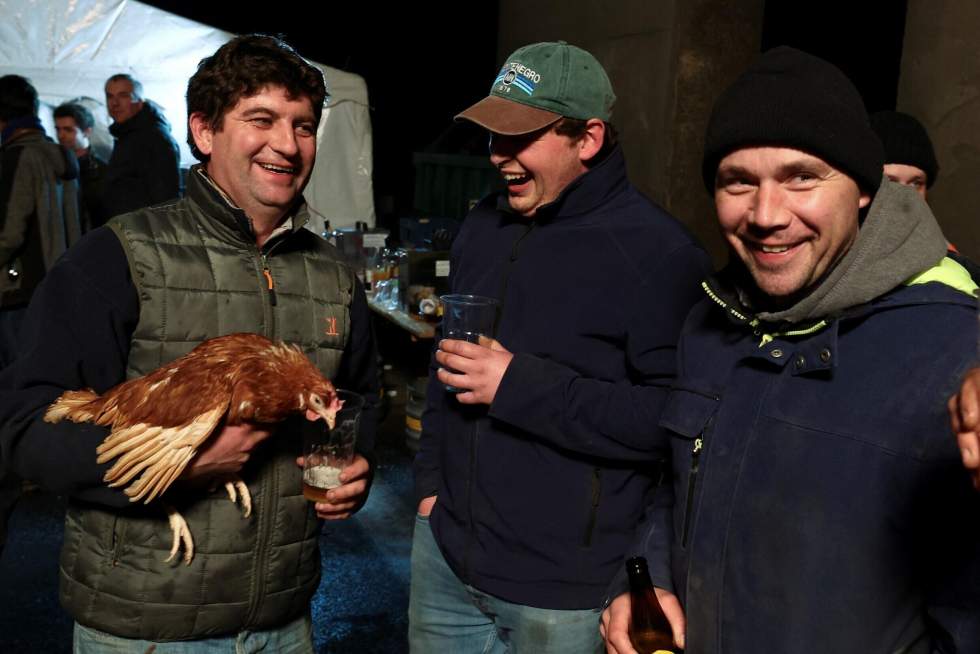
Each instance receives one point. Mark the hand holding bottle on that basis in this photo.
(657, 619)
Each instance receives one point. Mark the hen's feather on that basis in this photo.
(73, 404)
(160, 453)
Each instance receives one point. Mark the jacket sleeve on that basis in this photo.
(945, 536)
(76, 335)
(610, 419)
(653, 539)
(426, 465)
(16, 202)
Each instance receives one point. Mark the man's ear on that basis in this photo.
(201, 132)
(593, 139)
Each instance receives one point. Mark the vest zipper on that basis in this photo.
(265, 511)
(265, 516)
(692, 480)
(270, 283)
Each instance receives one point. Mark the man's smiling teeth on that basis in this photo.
(511, 178)
(278, 169)
(773, 249)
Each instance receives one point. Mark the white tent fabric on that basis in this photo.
(67, 48)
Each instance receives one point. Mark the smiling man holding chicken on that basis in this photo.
(231, 256)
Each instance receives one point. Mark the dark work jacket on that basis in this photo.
(819, 500)
(144, 168)
(539, 494)
(38, 212)
(92, 172)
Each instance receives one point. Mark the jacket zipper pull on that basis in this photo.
(692, 480)
(270, 284)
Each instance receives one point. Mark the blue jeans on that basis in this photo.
(295, 637)
(446, 616)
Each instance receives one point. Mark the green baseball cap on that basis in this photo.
(541, 83)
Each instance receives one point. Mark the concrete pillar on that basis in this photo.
(668, 61)
(940, 85)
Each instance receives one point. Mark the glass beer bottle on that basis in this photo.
(649, 631)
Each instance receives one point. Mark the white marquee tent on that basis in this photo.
(67, 48)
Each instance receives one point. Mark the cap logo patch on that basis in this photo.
(516, 75)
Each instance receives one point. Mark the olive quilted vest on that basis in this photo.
(199, 274)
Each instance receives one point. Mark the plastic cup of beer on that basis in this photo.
(467, 318)
(326, 452)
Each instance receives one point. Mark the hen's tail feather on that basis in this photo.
(77, 406)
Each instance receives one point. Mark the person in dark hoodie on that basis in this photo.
(911, 160)
(38, 222)
(38, 205)
(532, 480)
(819, 503)
(145, 165)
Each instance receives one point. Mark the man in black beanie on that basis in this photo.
(909, 156)
(819, 504)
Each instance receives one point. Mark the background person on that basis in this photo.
(144, 168)
(74, 124)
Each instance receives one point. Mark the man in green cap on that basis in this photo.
(533, 475)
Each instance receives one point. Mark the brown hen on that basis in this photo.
(158, 422)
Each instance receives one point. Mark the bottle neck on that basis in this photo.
(638, 573)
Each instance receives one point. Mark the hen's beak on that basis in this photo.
(328, 413)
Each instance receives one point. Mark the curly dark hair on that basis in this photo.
(18, 99)
(242, 68)
(79, 113)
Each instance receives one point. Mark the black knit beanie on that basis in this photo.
(906, 142)
(792, 99)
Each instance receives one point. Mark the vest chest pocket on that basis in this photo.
(688, 414)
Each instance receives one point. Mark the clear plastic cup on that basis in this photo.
(326, 451)
(467, 318)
